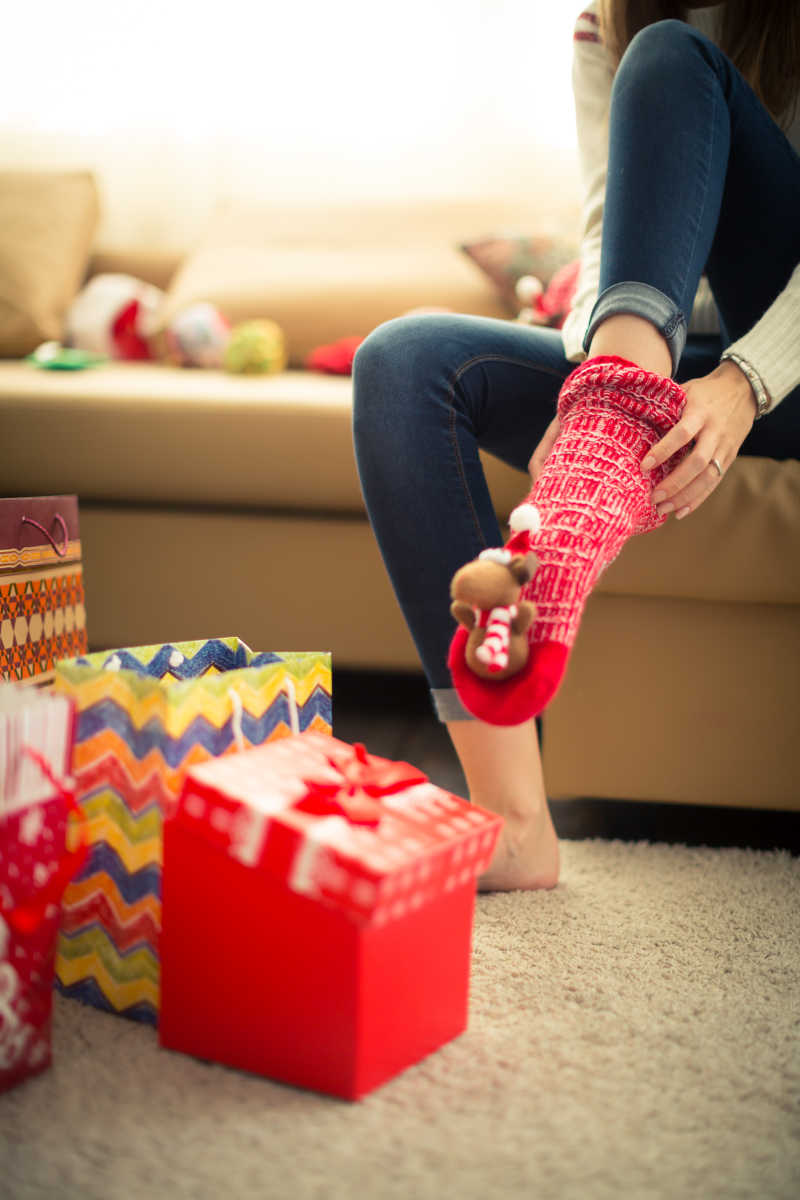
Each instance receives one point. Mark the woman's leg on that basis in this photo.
(429, 392)
(721, 196)
(503, 769)
(700, 178)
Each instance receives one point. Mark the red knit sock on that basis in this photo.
(591, 497)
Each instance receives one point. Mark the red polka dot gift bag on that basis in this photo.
(36, 863)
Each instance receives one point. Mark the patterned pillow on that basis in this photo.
(505, 258)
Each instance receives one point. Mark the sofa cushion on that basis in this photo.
(319, 294)
(47, 221)
(142, 433)
(153, 434)
(150, 266)
(138, 433)
(324, 272)
(756, 508)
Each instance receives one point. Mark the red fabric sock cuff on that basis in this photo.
(619, 384)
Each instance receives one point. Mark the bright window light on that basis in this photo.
(439, 96)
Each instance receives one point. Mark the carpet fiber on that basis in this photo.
(632, 1033)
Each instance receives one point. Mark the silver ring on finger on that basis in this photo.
(715, 463)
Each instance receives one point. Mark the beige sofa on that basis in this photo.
(216, 504)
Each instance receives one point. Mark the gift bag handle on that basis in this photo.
(25, 918)
(61, 551)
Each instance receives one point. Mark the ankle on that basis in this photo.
(527, 856)
(517, 808)
(635, 339)
(502, 767)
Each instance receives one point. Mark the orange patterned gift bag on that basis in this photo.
(42, 612)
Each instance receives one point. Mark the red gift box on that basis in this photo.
(317, 914)
(35, 867)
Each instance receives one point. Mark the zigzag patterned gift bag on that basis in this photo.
(145, 715)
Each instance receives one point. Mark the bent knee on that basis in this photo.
(394, 365)
(396, 346)
(662, 50)
(379, 349)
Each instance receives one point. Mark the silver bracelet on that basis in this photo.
(763, 401)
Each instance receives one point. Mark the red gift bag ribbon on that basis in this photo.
(364, 778)
(25, 918)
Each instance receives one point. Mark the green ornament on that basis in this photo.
(256, 347)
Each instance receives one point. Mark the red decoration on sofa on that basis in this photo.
(335, 358)
(114, 315)
(126, 340)
(551, 305)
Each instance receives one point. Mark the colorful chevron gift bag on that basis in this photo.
(145, 716)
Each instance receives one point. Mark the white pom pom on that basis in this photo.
(525, 518)
(527, 289)
(496, 555)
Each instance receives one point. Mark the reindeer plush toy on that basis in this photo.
(486, 602)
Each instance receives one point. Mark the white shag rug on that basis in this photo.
(634, 1033)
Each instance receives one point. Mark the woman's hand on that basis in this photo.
(543, 449)
(719, 413)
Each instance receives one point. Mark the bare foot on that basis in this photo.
(526, 857)
(503, 772)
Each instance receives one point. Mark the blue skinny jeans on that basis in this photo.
(700, 178)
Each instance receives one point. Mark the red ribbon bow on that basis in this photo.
(363, 779)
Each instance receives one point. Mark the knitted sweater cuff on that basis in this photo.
(772, 346)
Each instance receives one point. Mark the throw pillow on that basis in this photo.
(47, 222)
(505, 258)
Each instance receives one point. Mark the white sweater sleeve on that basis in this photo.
(772, 346)
(592, 76)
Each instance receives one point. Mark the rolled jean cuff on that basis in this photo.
(641, 300)
(448, 706)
